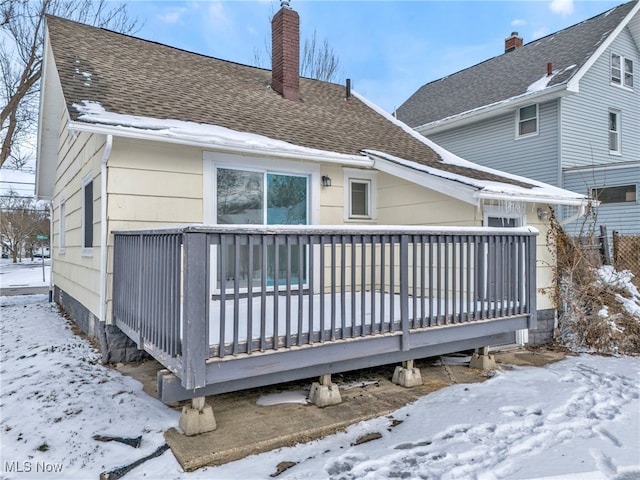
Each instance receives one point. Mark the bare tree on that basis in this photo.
(317, 61)
(22, 219)
(22, 23)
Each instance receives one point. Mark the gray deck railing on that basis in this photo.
(199, 295)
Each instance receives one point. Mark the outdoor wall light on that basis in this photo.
(543, 214)
(326, 181)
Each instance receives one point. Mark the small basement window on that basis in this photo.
(619, 194)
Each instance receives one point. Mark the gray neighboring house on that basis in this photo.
(563, 109)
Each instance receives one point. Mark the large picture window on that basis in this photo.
(261, 198)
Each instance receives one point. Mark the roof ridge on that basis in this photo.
(529, 44)
(154, 42)
(160, 44)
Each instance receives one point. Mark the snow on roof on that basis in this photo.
(94, 112)
(226, 138)
(540, 190)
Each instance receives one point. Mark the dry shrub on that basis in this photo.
(598, 308)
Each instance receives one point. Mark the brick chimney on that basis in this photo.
(285, 52)
(512, 42)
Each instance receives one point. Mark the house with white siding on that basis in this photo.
(563, 109)
(247, 226)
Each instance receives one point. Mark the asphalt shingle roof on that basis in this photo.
(131, 76)
(510, 74)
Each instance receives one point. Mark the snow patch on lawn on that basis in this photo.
(579, 418)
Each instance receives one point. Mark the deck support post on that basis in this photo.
(324, 392)
(407, 375)
(198, 418)
(482, 360)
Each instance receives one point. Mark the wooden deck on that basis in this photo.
(225, 308)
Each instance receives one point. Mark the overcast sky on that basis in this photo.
(388, 48)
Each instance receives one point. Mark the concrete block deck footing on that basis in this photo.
(197, 419)
(406, 375)
(482, 360)
(324, 392)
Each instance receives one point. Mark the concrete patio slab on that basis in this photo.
(246, 428)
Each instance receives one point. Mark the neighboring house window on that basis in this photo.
(62, 226)
(614, 132)
(360, 187)
(528, 120)
(619, 194)
(621, 70)
(87, 213)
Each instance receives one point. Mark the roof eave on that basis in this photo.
(48, 128)
(461, 191)
(574, 84)
(151, 135)
(488, 111)
(467, 192)
(534, 198)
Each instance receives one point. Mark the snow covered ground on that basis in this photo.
(576, 419)
(25, 273)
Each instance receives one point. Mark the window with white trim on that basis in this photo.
(87, 214)
(360, 187)
(527, 121)
(62, 212)
(617, 194)
(615, 147)
(621, 71)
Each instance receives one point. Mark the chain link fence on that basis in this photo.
(626, 254)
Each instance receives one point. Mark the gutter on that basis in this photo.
(103, 227)
(111, 130)
(574, 202)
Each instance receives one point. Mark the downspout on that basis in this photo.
(50, 251)
(581, 209)
(103, 227)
